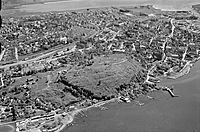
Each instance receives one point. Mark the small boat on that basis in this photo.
(125, 99)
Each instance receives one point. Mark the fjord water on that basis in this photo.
(80, 4)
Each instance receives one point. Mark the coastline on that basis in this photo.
(162, 113)
(71, 115)
(184, 71)
(66, 118)
(166, 117)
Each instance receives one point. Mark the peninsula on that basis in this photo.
(57, 64)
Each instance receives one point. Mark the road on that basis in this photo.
(37, 58)
(1, 55)
(23, 62)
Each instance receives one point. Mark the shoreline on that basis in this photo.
(74, 113)
(71, 115)
(186, 69)
(66, 117)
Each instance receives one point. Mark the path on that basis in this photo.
(1, 55)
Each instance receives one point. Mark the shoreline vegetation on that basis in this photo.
(184, 71)
(66, 118)
(71, 115)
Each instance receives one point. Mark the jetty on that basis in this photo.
(170, 91)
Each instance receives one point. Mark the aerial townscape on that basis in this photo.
(55, 65)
